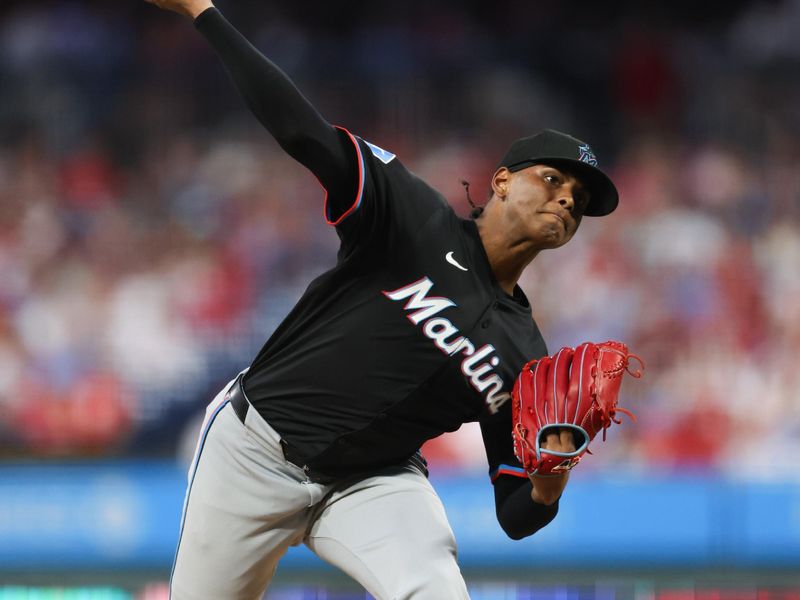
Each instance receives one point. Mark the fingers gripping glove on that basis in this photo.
(575, 389)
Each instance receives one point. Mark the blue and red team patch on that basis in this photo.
(382, 155)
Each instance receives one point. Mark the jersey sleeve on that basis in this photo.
(342, 203)
(387, 203)
(518, 515)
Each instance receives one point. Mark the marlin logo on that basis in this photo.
(587, 155)
(477, 364)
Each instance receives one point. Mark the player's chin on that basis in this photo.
(551, 238)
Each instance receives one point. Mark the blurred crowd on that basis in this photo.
(152, 235)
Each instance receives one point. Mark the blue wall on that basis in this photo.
(127, 516)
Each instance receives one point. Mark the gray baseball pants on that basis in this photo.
(245, 505)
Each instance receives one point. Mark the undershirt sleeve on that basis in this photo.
(518, 515)
(283, 111)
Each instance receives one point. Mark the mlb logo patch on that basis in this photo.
(586, 155)
(382, 155)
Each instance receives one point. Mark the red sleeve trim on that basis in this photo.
(360, 193)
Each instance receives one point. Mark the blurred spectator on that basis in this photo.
(152, 235)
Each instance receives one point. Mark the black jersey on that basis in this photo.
(407, 337)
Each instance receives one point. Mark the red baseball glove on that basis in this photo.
(574, 388)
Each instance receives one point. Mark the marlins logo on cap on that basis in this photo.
(587, 155)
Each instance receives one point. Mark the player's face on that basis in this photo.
(547, 203)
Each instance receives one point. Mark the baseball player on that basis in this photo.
(419, 328)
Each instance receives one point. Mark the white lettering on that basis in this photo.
(468, 364)
(481, 375)
(439, 330)
(496, 397)
(427, 306)
(469, 348)
(485, 384)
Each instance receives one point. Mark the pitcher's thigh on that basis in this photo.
(390, 533)
(239, 518)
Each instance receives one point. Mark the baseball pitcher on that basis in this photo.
(419, 328)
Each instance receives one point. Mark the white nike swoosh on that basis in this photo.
(449, 258)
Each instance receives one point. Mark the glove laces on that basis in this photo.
(609, 415)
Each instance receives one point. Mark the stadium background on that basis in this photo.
(152, 235)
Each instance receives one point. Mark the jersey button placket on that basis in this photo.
(488, 320)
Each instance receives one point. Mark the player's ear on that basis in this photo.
(500, 182)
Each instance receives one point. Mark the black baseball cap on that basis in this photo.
(559, 149)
